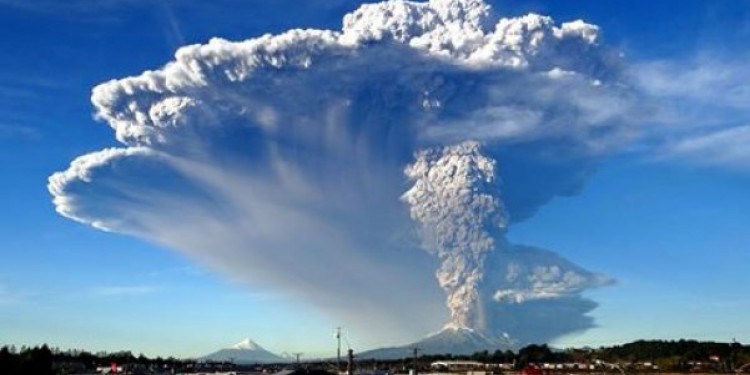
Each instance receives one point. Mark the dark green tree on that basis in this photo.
(534, 354)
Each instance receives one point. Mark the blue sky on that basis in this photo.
(670, 230)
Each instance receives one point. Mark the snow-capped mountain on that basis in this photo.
(449, 340)
(245, 351)
(246, 344)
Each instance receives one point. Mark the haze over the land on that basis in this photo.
(375, 174)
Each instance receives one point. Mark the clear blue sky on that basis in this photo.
(671, 232)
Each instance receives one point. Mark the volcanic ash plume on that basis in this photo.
(457, 201)
(279, 162)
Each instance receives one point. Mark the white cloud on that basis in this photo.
(698, 110)
(705, 80)
(726, 147)
(694, 93)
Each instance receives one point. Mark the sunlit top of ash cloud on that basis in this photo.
(294, 162)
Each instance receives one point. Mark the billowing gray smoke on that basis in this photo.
(457, 199)
(280, 161)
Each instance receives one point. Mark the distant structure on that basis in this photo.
(456, 366)
(350, 362)
(297, 355)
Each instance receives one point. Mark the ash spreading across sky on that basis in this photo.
(317, 163)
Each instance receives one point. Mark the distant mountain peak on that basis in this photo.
(246, 344)
(245, 351)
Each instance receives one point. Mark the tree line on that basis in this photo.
(664, 355)
(43, 360)
(675, 355)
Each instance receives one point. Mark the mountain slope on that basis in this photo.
(450, 340)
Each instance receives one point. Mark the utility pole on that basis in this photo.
(416, 354)
(734, 355)
(297, 355)
(338, 349)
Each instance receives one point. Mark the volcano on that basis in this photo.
(456, 341)
(244, 352)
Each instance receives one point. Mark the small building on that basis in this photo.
(304, 371)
